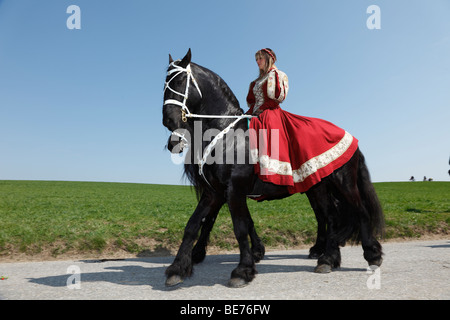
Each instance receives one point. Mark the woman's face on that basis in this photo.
(261, 62)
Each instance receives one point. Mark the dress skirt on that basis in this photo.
(297, 151)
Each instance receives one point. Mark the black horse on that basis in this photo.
(345, 203)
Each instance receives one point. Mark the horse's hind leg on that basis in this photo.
(356, 194)
(324, 206)
(242, 224)
(331, 258)
(321, 241)
(372, 248)
(182, 265)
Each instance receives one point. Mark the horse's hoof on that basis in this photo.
(173, 281)
(237, 283)
(323, 268)
(376, 262)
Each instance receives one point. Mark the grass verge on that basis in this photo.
(56, 218)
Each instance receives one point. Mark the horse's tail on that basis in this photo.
(369, 198)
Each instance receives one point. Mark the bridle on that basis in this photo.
(179, 70)
(185, 113)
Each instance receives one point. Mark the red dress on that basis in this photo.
(289, 149)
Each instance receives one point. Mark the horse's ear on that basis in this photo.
(170, 58)
(186, 60)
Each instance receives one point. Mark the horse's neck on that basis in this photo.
(217, 96)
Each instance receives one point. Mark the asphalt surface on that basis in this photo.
(410, 270)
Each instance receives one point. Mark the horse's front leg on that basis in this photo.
(199, 251)
(242, 224)
(181, 268)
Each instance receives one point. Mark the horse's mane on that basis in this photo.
(225, 90)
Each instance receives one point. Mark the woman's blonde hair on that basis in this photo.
(270, 58)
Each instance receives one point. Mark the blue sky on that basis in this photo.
(86, 104)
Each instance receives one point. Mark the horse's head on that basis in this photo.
(181, 95)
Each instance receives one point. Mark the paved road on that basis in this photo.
(411, 270)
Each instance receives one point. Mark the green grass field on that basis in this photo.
(58, 218)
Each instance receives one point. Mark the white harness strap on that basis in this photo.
(212, 144)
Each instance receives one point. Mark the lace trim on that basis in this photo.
(258, 92)
(273, 166)
(312, 165)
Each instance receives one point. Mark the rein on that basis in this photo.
(185, 113)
